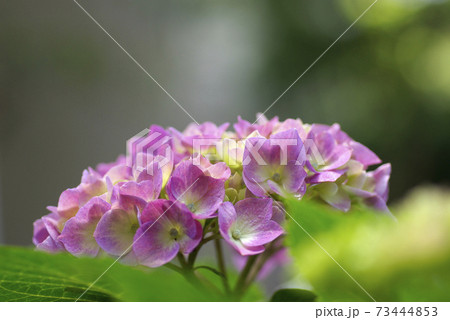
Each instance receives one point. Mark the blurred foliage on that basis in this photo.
(404, 260)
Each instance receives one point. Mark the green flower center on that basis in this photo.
(173, 233)
(191, 207)
(276, 177)
(236, 234)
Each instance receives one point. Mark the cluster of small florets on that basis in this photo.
(173, 190)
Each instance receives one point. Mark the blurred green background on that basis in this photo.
(70, 98)
(371, 257)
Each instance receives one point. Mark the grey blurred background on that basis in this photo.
(70, 98)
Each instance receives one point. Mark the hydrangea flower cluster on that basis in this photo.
(175, 191)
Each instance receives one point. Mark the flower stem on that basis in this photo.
(261, 260)
(174, 267)
(182, 260)
(240, 285)
(193, 254)
(195, 279)
(215, 271)
(221, 264)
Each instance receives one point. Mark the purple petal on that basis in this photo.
(247, 226)
(262, 233)
(372, 187)
(93, 210)
(340, 136)
(279, 159)
(381, 176)
(115, 231)
(227, 215)
(339, 157)
(379, 204)
(119, 173)
(40, 233)
(278, 213)
(68, 203)
(293, 176)
(152, 248)
(152, 172)
(191, 230)
(246, 250)
(326, 143)
(333, 154)
(78, 233)
(155, 210)
(207, 205)
(177, 190)
(202, 196)
(243, 128)
(257, 189)
(296, 124)
(335, 196)
(92, 184)
(288, 142)
(155, 241)
(326, 176)
(264, 127)
(217, 171)
(143, 149)
(363, 154)
(335, 130)
(260, 209)
(358, 192)
(187, 171)
(144, 190)
(46, 233)
(128, 203)
(78, 238)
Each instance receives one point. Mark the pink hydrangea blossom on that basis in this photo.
(174, 191)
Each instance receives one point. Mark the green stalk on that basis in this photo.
(270, 251)
(195, 279)
(239, 289)
(221, 264)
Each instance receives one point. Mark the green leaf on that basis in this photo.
(29, 275)
(358, 255)
(293, 295)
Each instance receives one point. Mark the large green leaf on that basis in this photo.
(29, 275)
(406, 260)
